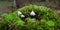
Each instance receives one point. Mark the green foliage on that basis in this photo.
(12, 17)
(2, 24)
(50, 23)
(45, 19)
(8, 17)
(46, 15)
(29, 20)
(41, 12)
(58, 23)
(20, 23)
(16, 18)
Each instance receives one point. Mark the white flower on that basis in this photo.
(19, 13)
(32, 13)
(22, 16)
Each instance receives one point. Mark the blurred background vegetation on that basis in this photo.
(6, 5)
(48, 3)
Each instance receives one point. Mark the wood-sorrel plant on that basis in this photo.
(45, 18)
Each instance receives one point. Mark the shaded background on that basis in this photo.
(49, 3)
(6, 5)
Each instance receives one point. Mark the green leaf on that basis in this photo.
(43, 21)
(30, 20)
(21, 23)
(50, 23)
(16, 18)
(8, 17)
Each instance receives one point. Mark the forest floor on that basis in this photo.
(5, 6)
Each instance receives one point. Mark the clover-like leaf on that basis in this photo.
(42, 21)
(21, 23)
(29, 20)
(50, 23)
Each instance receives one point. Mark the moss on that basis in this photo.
(41, 11)
(45, 19)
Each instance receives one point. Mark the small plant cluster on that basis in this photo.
(43, 18)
